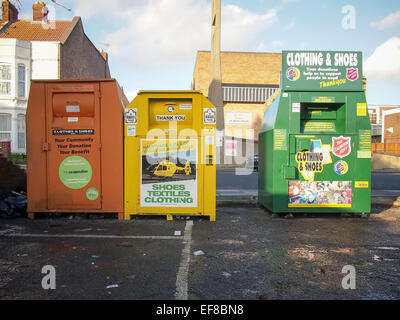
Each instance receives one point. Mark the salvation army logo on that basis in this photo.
(352, 74)
(341, 167)
(293, 74)
(341, 146)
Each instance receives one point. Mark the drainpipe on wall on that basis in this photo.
(59, 60)
(5, 149)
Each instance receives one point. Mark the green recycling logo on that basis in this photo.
(92, 194)
(75, 172)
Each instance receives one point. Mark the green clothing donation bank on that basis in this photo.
(315, 139)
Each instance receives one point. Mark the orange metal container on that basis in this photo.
(75, 147)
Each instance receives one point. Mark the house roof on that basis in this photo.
(34, 31)
(247, 68)
(2, 24)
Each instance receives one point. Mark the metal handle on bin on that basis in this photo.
(46, 146)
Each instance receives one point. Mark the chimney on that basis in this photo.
(40, 11)
(9, 13)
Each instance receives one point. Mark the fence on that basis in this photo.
(386, 147)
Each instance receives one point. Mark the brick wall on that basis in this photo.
(242, 68)
(80, 59)
(381, 109)
(392, 121)
(239, 68)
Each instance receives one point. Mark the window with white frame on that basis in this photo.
(5, 127)
(5, 79)
(21, 131)
(21, 81)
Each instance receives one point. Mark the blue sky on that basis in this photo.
(152, 44)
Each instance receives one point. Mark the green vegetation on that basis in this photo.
(18, 158)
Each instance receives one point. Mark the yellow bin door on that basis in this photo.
(170, 154)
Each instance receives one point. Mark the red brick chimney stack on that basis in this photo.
(9, 12)
(40, 11)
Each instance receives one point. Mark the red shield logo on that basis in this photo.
(352, 74)
(341, 147)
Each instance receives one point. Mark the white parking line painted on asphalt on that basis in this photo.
(181, 292)
(87, 236)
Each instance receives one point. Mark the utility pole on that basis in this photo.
(215, 87)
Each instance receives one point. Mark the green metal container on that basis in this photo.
(315, 139)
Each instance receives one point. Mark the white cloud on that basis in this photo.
(163, 31)
(241, 27)
(107, 8)
(391, 21)
(384, 63)
(171, 31)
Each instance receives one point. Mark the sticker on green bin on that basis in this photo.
(312, 161)
(320, 194)
(319, 126)
(92, 194)
(75, 172)
(322, 71)
(364, 151)
(323, 99)
(280, 141)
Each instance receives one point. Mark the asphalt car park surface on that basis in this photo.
(252, 255)
(89, 256)
(246, 254)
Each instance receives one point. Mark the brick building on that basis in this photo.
(249, 79)
(391, 125)
(385, 123)
(39, 49)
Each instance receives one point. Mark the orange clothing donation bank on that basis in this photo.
(75, 147)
